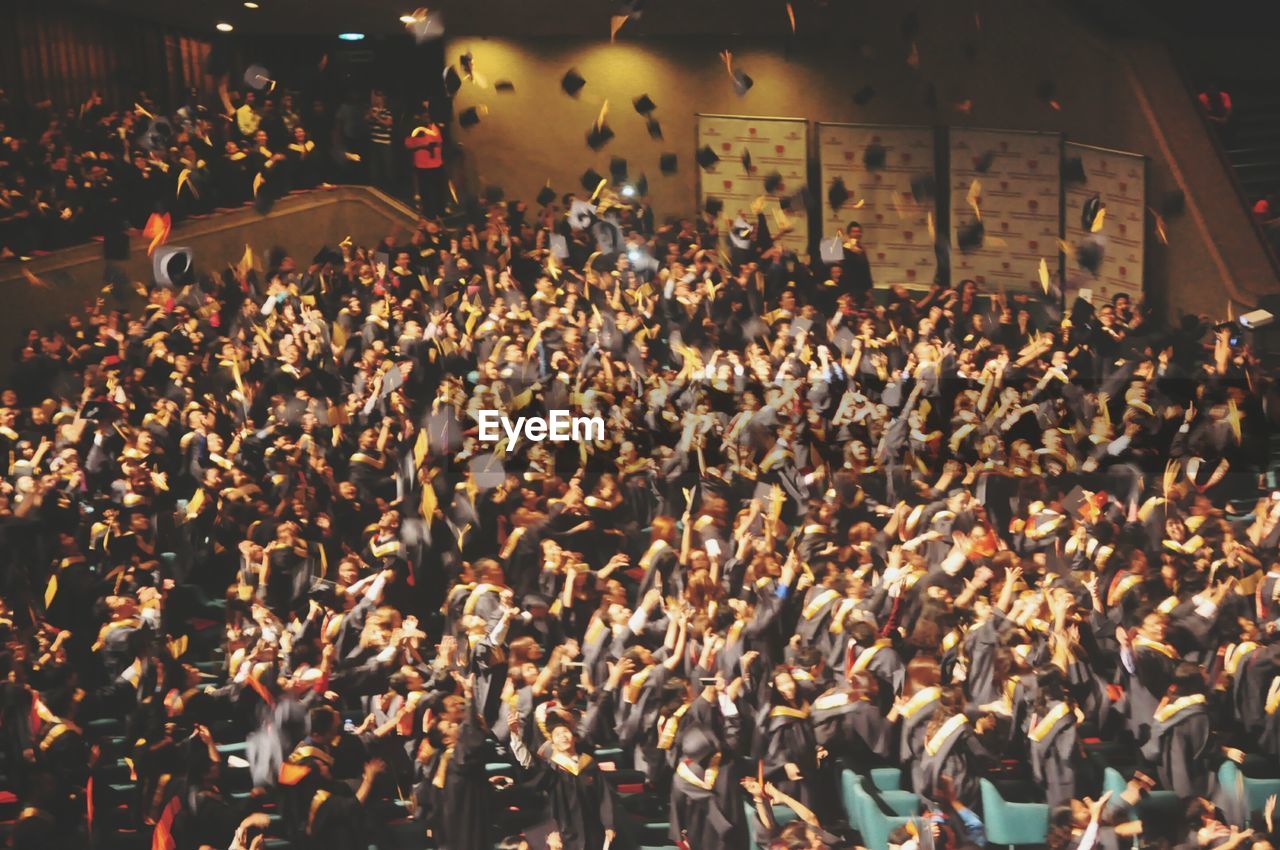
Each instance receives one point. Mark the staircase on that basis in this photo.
(1252, 143)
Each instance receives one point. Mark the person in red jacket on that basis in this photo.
(426, 142)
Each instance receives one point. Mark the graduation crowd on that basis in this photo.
(74, 174)
(265, 587)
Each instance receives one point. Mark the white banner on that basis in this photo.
(774, 145)
(1018, 195)
(895, 227)
(1119, 180)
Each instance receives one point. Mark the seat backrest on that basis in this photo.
(1012, 823)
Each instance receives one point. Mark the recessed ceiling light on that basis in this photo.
(224, 27)
(249, 4)
(407, 19)
(351, 36)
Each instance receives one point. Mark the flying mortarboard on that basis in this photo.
(572, 82)
(452, 81)
(713, 205)
(668, 163)
(618, 169)
(969, 236)
(742, 83)
(984, 163)
(1090, 253)
(923, 187)
(1173, 203)
(470, 116)
(1073, 170)
(873, 156)
(837, 194)
(1089, 211)
(493, 194)
(654, 127)
(746, 160)
(258, 78)
(504, 86)
(591, 179)
(598, 136)
(644, 104)
(546, 195)
(642, 186)
(707, 157)
(863, 95)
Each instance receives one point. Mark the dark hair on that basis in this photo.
(324, 720)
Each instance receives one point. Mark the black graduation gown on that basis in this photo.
(788, 737)
(955, 751)
(461, 821)
(1181, 740)
(1054, 746)
(706, 809)
(580, 800)
(851, 729)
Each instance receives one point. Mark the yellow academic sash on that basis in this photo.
(1178, 705)
(708, 779)
(920, 700)
(948, 729)
(1042, 729)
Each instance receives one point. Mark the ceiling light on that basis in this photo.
(351, 36)
(224, 27)
(407, 19)
(249, 4)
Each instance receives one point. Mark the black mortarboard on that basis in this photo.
(327, 255)
(713, 205)
(644, 104)
(493, 194)
(863, 95)
(468, 63)
(618, 169)
(984, 162)
(873, 157)
(545, 195)
(742, 83)
(591, 179)
(642, 186)
(746, 160)
(837, 194)
(654, 127)
(1173, 203)
(572, 82)
(668, 163)
(923, 187)
(598, 136)
(707, 157)
(773, 182)
(469, 117)
(969, 236)
(1073, 170)
(1089, 211)
(487, 471)
(1089, 255)
(504, 86)
(452, 81)
(257, 77)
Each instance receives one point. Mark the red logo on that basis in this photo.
(880, 256)
(908, 235)
(848, 155)
(878, 178)
(879, 216)
(1033, 244)
(911, 274)
(1033, 204)
(728, 184)
(1004, 265)
(1004, 185)
(1123, 271)
(1123, 228)
(1124, 187)
(1004, 225)
(780, 148)
(751, 130)
(726, 146)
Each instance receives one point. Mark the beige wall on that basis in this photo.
(538, 133)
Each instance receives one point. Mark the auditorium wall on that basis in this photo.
(538, 133)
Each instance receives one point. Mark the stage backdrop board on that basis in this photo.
(895, 227)
(775, 144)
(1119, 179)
(1020, 188)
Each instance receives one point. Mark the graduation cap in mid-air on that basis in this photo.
(644, 104)
(258, 78)
(493, 194)
(487, 471)
(599, 135)
(618, 169)
(591, 179)
(1090, 254)
(668, 163)
(713, 205)
(1089, 211)
(983, 164)
(470, 116)
(707, 157)
(924, 187)
(452, 80)
(1173, 202)
(654, 127)
(504, 86)
(545, 196)
(969, 237)
(1073, 170)
(873, 156)
(572, 82)
(742, 82)
(837, 194)
(863, 95)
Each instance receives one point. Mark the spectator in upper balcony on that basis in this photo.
(1216, 104)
